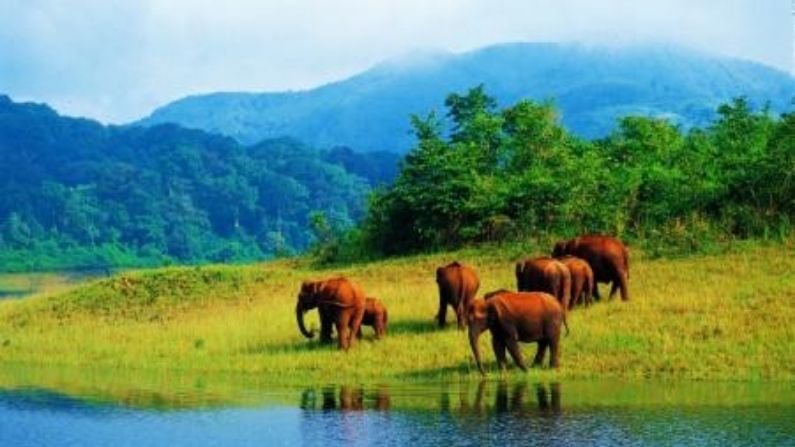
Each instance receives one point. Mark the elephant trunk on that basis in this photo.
(474, 335)
(299, 316)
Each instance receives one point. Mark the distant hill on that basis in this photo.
(591, 85)
(77, 194)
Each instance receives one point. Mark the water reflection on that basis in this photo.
(488, 398)
(516, 398)
(468, 413)
(346, 398)
(522, 413)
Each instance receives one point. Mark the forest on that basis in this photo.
(517, 174)
(75, 194)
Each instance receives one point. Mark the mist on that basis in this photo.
(117, 60)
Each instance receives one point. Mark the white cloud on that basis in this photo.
(117, 60)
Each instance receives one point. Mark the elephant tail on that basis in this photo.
(462, 292)
(626, 260)
(566, 324)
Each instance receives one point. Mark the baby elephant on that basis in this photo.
(517, 317)
(375, 315)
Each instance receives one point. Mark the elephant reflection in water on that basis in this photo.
(547, 399)
(348, 399)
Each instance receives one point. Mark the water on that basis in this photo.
(518, 413)
(14, 293)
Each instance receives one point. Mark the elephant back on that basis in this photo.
(340, 292)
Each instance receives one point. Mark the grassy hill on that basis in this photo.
(593, 86)
(703, 317)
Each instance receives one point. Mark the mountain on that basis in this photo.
(592, 86)
(75, 193)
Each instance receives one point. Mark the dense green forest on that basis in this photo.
(77, 194)
(516, 173)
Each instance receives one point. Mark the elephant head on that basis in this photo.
(519, 275)
(477, 320)
(307, 300)
(560, 249)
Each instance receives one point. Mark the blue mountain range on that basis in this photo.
(592, 86)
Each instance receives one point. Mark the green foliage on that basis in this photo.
(75, 194)
(517, 173)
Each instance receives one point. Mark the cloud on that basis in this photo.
(118, 59)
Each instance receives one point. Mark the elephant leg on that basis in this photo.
(379, 328)
(343, 330)
(516, 353)
(554, 352)
(596, 296)
(622, 278)
(576, 291)
(441, 317)
(326, 325)
(540, 353)
(355, 324)
(499, 351)
(613, 289)
(459, 316)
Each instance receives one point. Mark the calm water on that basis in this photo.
(490, 413)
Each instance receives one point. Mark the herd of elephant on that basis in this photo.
(548, 287)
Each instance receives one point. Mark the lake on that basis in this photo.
(21, 285)
(481, 413)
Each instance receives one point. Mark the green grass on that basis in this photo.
(718, 317)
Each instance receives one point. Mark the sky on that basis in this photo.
(117, 60)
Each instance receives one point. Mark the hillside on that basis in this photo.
(241, 319)
(592, 86)
(77, 194)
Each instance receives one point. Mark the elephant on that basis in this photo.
(582, 282)
(544, 274)
(512, 317)
(339, 301)
(375, 315)
(458, 285)
(607, 256)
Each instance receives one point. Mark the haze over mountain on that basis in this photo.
(592, 86)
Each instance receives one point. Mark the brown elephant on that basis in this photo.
(458, 285)
(339, 301)
(512, 317)
(607, 256)
(544, 274)
(375, 316)
(582, 282)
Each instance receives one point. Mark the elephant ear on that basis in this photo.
(318, 286)
(494, 311)
(310, 287)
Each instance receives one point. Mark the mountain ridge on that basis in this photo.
(592, 85)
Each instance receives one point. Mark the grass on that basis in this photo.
(718, 317)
